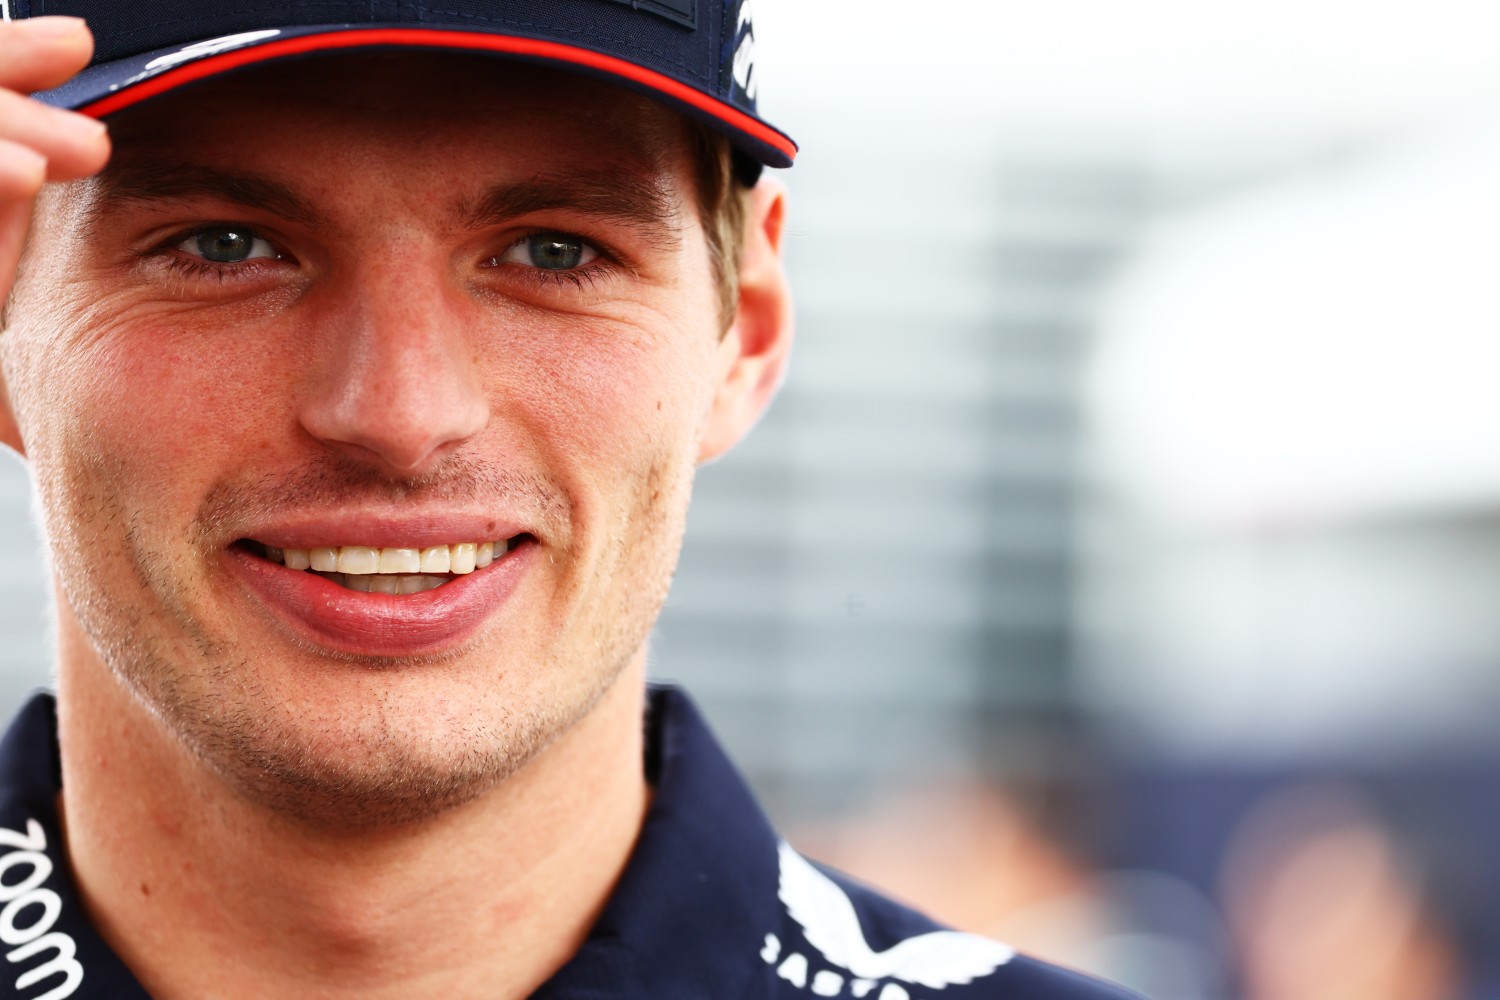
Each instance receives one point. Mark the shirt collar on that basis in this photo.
(62, 947)
(692, 908)
(687, 917)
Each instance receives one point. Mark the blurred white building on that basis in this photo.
(1294, 446)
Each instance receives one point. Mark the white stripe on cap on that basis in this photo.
(4, 10)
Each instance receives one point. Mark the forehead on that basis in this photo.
(426, 114)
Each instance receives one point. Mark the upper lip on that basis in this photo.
(385, 531)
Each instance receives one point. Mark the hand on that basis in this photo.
(38, 143)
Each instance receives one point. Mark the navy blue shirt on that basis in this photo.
(713, 905)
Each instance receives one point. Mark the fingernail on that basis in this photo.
(55, 25)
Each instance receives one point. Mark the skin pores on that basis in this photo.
(390, 358)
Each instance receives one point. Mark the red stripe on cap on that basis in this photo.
(437, 38)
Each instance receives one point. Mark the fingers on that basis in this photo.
(35, 54)
(42, 52)
(38, 143)
(74, 145)
(22, 172)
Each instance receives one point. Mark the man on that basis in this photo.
(363, 390)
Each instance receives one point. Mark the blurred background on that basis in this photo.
(1119, 571)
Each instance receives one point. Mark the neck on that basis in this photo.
(196, 887)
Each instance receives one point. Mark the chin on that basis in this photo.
(384, 748)
(370, 761)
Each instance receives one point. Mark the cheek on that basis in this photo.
(614, 416)
(142, 414)
(211, 405)
(620, 394)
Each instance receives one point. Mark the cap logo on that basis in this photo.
(684, 12)
(198, 50)
(744, 53)
(211, 47)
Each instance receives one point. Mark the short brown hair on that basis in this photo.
(722, 211)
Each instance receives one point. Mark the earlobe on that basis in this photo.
(754, 350)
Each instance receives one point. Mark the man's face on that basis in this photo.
(385, 304)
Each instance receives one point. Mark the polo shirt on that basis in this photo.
(712, 905)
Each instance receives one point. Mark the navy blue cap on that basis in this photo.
(696, 56)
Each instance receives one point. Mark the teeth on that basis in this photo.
(383, 584)
(396, 583)
(358, 559)
(463, 558)
(353, 562)
(400, 561)
(435, 559)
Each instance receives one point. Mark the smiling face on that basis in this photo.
(364, 423)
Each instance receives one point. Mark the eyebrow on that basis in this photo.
(642, 201)
(152, 181)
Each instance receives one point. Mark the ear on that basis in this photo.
(10, 431)
(753, 353)
(15, 223)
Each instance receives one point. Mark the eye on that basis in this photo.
(548, 251)
(228, 245)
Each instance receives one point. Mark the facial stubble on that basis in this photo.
(370, 760)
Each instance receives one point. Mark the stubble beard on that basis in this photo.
(370, 764)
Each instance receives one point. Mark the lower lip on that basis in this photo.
(351, 621)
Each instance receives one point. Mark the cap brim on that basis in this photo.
(107, 88)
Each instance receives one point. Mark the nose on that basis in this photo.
(397, 385)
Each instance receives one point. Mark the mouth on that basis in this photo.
(420, 593)
(392, 570)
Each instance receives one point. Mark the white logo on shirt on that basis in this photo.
(31, 935)
(936, 960)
